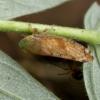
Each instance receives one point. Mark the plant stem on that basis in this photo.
(90, 36)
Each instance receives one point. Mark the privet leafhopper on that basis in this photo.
(50, 45)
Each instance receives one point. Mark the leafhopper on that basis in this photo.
(55, 46)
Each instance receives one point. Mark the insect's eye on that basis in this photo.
(78, 75)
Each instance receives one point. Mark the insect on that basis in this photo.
(55, 46)
(72, 68)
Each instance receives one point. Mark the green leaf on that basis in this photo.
(92, 76)
(14, 8)
(17, 84)
(92, 17)
(92, 70)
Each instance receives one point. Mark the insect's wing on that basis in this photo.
(72, 68)
(58, 62)
(56, 47)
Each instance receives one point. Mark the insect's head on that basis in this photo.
(24, 43)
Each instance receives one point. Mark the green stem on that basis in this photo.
(90, 36)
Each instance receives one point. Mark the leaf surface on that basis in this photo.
(14, 8)
(17, 84)
(91, 71)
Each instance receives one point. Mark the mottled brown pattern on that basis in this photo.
(64, 48)
(48, 45)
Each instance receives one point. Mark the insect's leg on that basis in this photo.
(64, 73)
(45, 31)
(33, 30)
